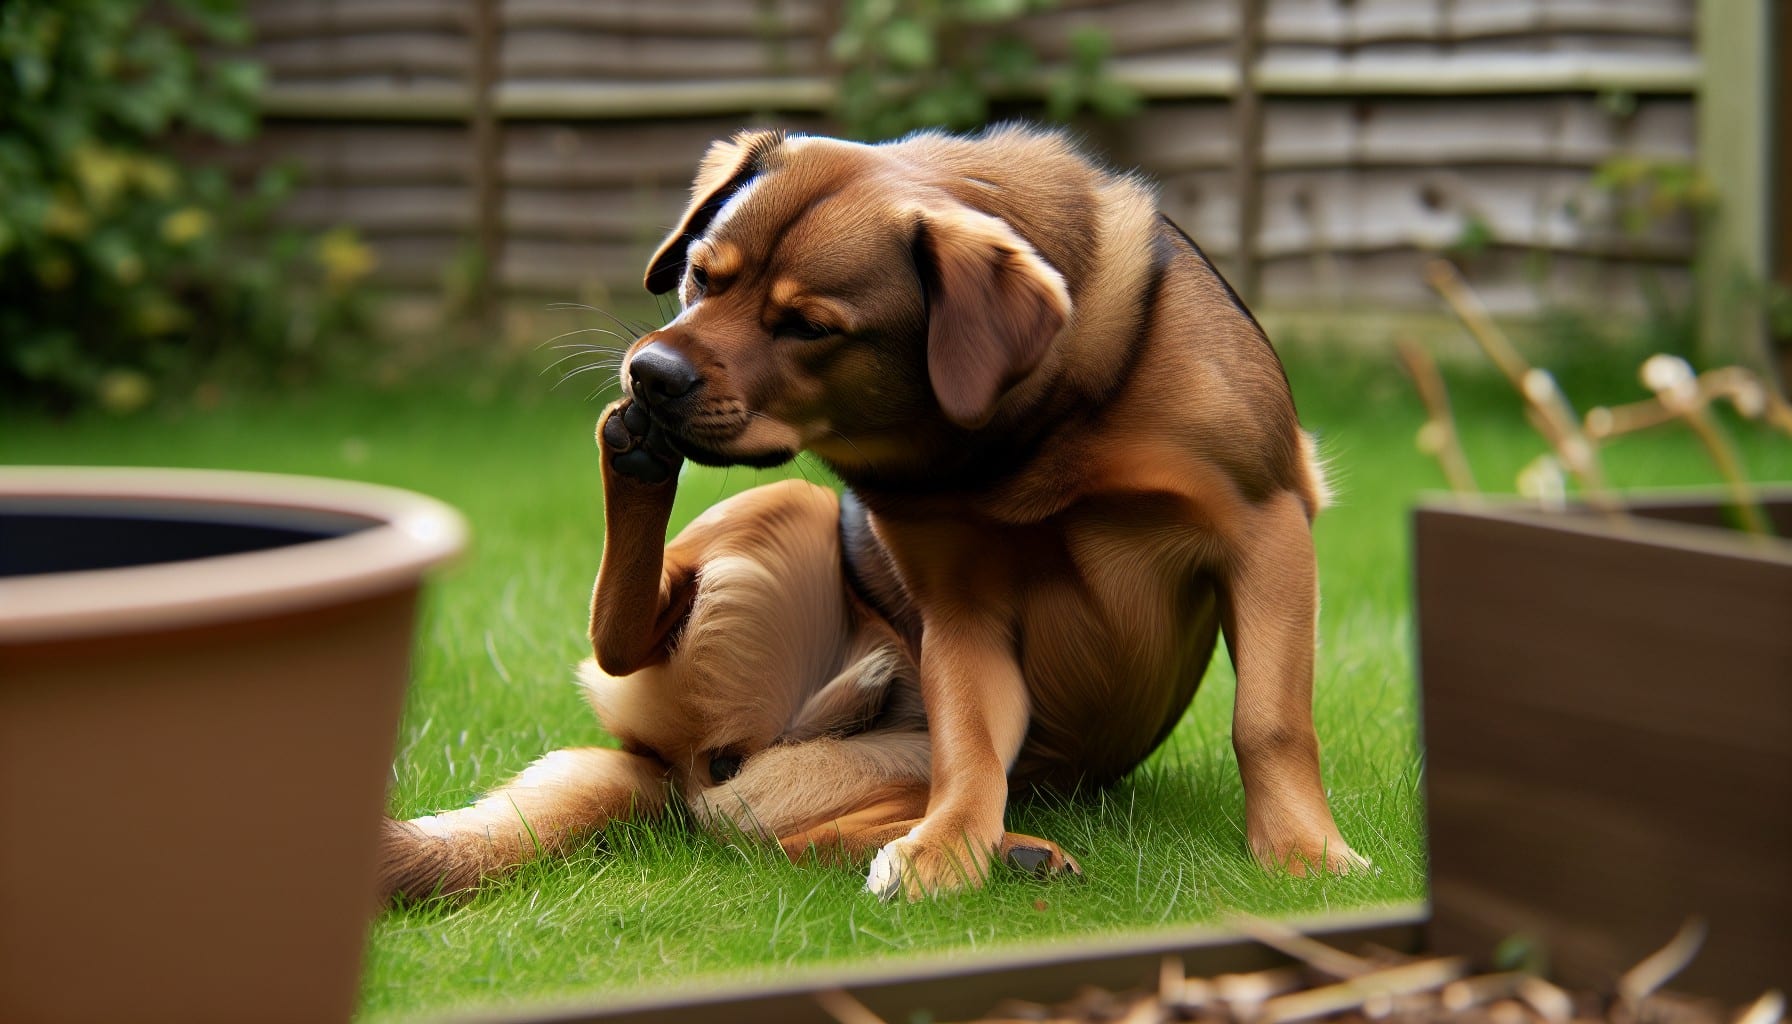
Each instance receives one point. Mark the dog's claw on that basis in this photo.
(1040, 861)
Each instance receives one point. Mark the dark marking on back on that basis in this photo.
(1237, 303)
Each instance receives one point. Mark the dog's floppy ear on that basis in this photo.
(993, 306)
(727, 167)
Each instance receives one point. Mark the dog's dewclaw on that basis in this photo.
(884, 879)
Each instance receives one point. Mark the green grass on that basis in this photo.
(653, 908)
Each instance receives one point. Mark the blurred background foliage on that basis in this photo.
(122, 268)
(910, 64)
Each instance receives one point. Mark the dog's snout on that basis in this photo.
(659, 372)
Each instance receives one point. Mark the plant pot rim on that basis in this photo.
(410, 534)
(1579, 519)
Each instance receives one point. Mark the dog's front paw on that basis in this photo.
(1300, 855)
(635, 446)
(917, 868)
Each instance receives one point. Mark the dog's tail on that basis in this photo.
(556, 803)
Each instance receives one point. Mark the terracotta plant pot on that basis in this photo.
(1608, 735)
(201, 675)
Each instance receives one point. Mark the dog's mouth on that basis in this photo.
(718, 439)
(704, 455)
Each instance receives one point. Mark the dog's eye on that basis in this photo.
(723, 767)
(803, 328)
(699, 280)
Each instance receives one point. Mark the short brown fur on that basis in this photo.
(1078, 455)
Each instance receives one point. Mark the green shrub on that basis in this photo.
(121, 269)
(908, 64)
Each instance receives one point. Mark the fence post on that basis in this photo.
(1247, 113)
(488, 163)
(1734, 137)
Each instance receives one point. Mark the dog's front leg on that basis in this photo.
(977, 712)
(1269, 613)
(642, 591)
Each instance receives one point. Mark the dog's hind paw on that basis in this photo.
(635, 446)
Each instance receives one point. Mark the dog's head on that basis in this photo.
(837, 297)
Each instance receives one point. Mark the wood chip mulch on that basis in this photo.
(1330, 985)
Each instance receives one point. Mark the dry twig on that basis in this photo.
(841, 1006)
(1438, 437)
(1553, 416)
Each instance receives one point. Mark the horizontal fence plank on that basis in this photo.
(389, 56)
(1510, 281)
(346, 154)
(1301, 132)
(566, 54)
(385, 210)
(285, 19)
(751, 18)
(1520, 72)
(1328, 22)
(1393, 130)
(1154, 78)
(595, 153)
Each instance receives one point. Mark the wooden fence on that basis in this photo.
(1318, 148)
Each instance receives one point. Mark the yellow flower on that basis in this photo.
(102, 174)
(186, 224)
(159, 316)
(128, 268)
(155, 177)
(344, 258)
(122, 392)
(66, 218)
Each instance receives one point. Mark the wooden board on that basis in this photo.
(1608, 736)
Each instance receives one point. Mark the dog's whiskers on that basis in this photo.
(608, 356)
(570, 374)
(588, 330)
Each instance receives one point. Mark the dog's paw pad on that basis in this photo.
(635, 419)
(616, 436)
(884, 878)
(644, 467)
(637, 448)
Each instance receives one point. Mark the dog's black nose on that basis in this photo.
(659, 373)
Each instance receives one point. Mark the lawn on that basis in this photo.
(652, 908)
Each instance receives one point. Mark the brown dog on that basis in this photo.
(759, 692)
(1075, 456)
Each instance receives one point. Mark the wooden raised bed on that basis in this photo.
(1608, 734)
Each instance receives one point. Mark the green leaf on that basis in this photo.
(1111, 98)
(991, 10)
(907, 43)
(1009, 59)
(1089, 47)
